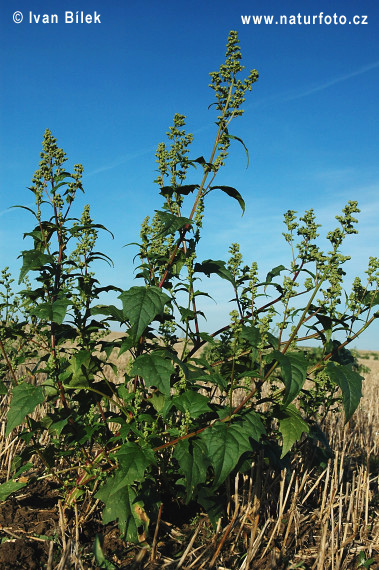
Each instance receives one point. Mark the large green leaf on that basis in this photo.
(112, 312)
(193, 464)
(233, 193)
(119, 497)
(210, 266)
(133, 462)
(121, 504)
(141, 305)
(25, 398)
(33, 260)
(192, 402)
(10, 487)
(79, 371)
(171, 223)
(168, 191)
(291, 426)
(155, 370)
(294, 372)
(227, 442)
(53, 312)
(350, 383)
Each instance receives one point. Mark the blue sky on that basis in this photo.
(108, 92)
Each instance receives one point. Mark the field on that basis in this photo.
(303, 517)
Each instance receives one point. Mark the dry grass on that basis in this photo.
(306, 517)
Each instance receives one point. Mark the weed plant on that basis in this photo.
(193, 409)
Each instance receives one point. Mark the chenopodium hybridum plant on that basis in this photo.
(190, 408)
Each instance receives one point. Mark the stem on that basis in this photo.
(11, 370)
(220, 131)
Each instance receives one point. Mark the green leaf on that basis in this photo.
(168, 191)
(294, 372)
(79, 371)
(141, 305)
(193, 464)
(233, 193)
(10, 487)
(371, 298)
(171, 223)
(112, 312)
(350, 383)
(214, 266)
(53, 312)
(119, 497)
(3, 388)
(33, 260)
(134, 461)
(100, 559)
(253, 337)
(274, 273)
(226, 443)
(121, 504)
(193, 402)
(233, 137)
(25, 398)
(212, 503)
(291, 426)
(251, 426)
(155, 370)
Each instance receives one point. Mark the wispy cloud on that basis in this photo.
(331, 82)
(121, 160)
(269, 100)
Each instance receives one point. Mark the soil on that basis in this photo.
(31, 534)
(30, 523)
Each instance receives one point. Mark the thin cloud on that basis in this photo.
(328, 84)
(120, 161)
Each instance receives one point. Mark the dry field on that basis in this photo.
(305, 517)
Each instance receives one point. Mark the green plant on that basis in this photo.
(363, 563)
(190, 411)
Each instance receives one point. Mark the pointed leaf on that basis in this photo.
(184, 190)
(100, 559)
(155, 370)
(10, 487)
(141, 305)
(110, 311)
(233, 137)
(134, 461)
(121, 504)
(233, 193)
(193, 464)
(226, 443)
(350, 383)
(25, 398)
(291, 426)
(192, 402)
(171, 223)
(210, 266)
(253, 337)
(53, 312)
(274, 273)
(79, 371)
(294, 372)
(33, 260)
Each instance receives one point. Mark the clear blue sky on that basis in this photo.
(108, 92)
